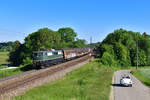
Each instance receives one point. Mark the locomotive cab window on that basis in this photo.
(37, 54)
(40, 54)
(55, 53)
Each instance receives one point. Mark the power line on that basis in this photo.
(137, 54)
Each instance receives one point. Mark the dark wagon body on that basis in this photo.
(42, 59)
(76, 52)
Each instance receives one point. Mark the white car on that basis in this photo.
(126, 81)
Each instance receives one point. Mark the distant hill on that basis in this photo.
(6, 46)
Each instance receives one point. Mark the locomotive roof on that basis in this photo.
(46, 51)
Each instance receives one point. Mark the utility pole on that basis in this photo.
(137, 55)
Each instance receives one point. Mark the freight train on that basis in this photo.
(46, 58)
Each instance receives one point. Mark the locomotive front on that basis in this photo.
(42, 59)
(37, 58)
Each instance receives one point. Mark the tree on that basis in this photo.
(68, 36)
(108, 59)
(80, 43)
(6, 46)
(123, 43)
(42, 39)
(106, 48)
(121, 54)
(14, 56)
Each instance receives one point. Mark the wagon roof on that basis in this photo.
(45, 51)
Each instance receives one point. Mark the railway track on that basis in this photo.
(13, 83)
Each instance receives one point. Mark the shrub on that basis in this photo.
(108, 59)
(27, 61)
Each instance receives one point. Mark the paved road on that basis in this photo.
(137, 92)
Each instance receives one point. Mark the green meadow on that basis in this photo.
(143, 74)
(3, 59)
(4, 63)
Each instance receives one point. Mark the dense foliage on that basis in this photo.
(44, 39)
(6, 46)
(119, 48)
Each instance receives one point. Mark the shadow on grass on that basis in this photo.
(27, 68)
(8, 65)
(4, 64)
(147, 83)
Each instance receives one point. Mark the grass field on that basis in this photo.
(3, 59)
(90, 82)
(4, 63)
(143, 74)
(9, 72)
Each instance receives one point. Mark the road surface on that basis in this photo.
(137, 92)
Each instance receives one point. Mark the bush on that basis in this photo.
(27, 61)
(108, 59)
(122, 54)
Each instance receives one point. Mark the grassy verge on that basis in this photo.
(143, 74)
(91, 82)
(9, 72)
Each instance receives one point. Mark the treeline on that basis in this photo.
(119, 48)
(44, 39)
(6, 46)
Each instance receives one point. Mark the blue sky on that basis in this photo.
(95, 18)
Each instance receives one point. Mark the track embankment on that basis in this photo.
(18, 85)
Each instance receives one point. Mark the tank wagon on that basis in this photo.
(42, 59)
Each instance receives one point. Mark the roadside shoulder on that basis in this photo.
(111, 96)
